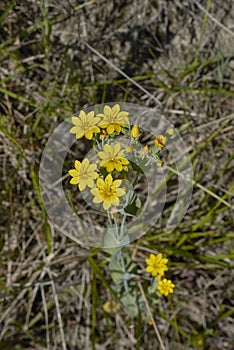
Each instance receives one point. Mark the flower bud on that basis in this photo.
(135, 131)
(113, 212)
(160, 141)
(129, 149)
(170, 132)
(145, 150)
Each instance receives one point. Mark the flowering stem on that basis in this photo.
(124, 270)
(122, 227)
(109, 217)
(175, 320)
(151, 316)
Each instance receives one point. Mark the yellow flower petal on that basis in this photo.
(115, 202)
(124, 161)
(110, 129)
(116, 148)
(118, 166)
(102, 155)
(90, 183)
(82, 185)
(117, 183)
(107, 148)
(92, 167)
(94, 191)
(106, 205)
(90, 115)
(100, 183)
(78, 131)
(107, 110)
(95, 129)
(77, 165)
(108, 179)
(85, 163)
(115, 109)
(89, 135)
(76, 121)
(74, 181)
(73, 173)
(82, 115)
(110, 166)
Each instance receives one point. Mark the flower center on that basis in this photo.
(86, 125)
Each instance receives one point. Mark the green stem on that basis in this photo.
(123, 270)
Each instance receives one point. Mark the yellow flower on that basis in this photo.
(108, 192)
(165, 287)
(135, 131)
(156, 264)
(83, 174)
(160, 141)
(112, 158)
(85, 125)
(113, 119)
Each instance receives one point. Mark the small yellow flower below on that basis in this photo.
(110, 306)
(85, 125)
(84, 174)
(113, 119)
(160, 141)
(108, 192)
(112, 158)
(156, 265)
(165, 287)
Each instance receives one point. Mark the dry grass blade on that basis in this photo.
(123, 74)
(58, 57)
(218, 23)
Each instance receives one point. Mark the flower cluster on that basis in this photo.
(157, 265)
(105, 176)
(101, 177)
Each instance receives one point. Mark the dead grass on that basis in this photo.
(56, 57)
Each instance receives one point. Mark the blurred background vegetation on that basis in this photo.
(57, 57)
